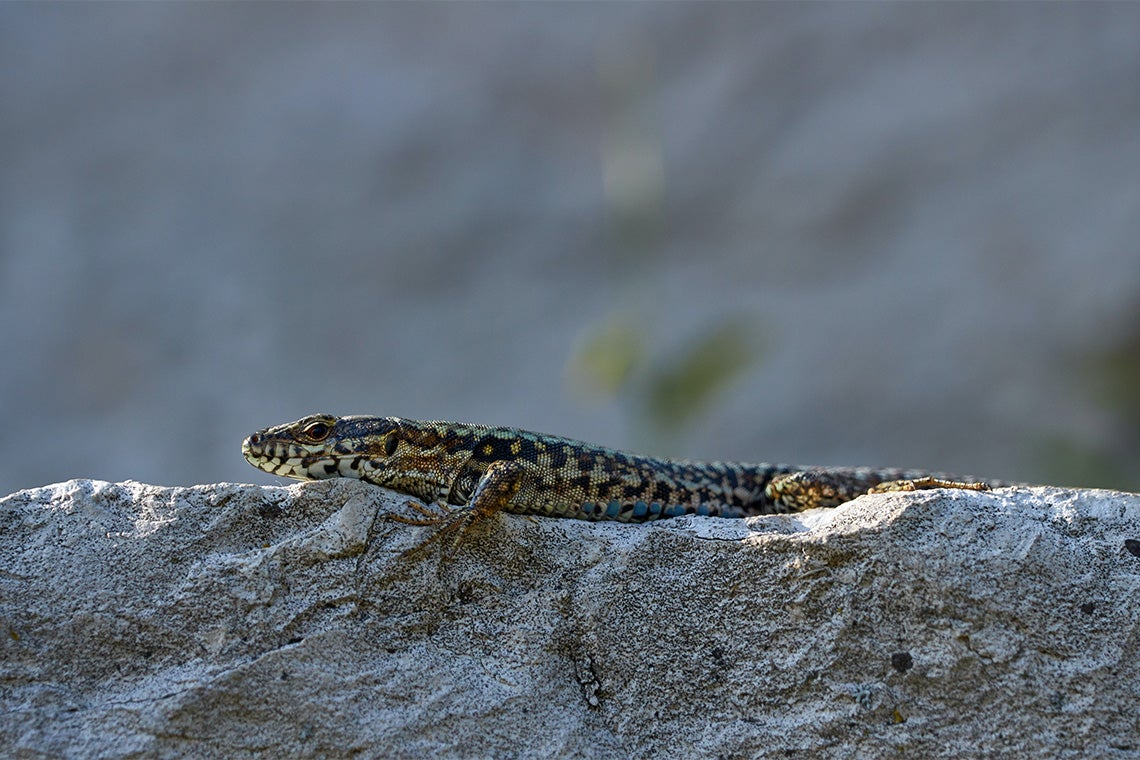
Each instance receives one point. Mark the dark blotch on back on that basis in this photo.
(632, 491)
(500, 448)
(730, 476)
(431, 437)
(582, 481)
(662, 492)
(559, 455)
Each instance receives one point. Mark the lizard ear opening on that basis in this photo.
(390, 444)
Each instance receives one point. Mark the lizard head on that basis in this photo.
(396, 453)
(322, 446)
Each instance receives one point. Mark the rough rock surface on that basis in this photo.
(231, 620)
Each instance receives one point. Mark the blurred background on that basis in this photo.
(830, 234)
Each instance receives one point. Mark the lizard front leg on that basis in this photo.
(499, 484)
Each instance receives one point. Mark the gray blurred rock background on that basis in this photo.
(857, 234)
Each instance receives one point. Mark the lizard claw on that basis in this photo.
(453, 524)
(442, 513)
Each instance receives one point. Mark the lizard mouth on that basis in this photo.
(291, 460)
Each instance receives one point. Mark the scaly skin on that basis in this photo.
(491, 469)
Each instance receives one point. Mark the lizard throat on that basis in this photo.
(295, 462)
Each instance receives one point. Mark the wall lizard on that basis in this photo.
(484, 470)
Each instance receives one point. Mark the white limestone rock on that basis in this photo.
(232, 621)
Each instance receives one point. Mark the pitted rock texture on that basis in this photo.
(234, 621)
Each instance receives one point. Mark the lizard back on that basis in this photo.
(446, 463)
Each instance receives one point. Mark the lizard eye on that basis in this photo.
(390, 444)
(316, 431)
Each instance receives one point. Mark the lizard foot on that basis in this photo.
(822, 487)
(920, 484)
(430, 516)
(452, 525)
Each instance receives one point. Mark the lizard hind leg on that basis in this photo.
(809, 489)
(924, 483)
(822, 487)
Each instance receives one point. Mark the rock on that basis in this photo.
(230, 621)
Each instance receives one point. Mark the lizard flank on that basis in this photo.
(485, 470)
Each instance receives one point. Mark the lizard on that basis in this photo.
(469, 472)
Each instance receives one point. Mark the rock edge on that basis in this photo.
(232, 620)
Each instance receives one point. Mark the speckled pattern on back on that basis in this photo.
(496, 468)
